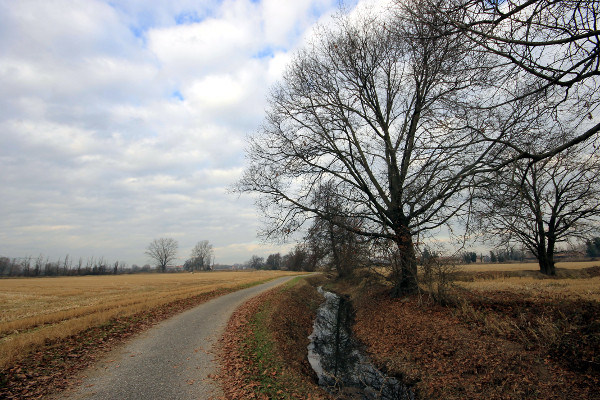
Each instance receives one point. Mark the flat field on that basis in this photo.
(532, 266)
(35, 311)
(573, 280)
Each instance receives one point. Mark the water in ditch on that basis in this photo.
(337, 359)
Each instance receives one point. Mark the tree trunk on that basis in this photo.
(337, 262)
(404, 266)
(546, 261)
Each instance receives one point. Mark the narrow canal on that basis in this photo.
(336, 357)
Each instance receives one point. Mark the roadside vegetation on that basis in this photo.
(48, 326)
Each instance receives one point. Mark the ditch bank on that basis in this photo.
(262, 354)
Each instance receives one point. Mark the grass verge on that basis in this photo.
(263, 352)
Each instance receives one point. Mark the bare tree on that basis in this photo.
(343, 249)
(373, 115)
(201, 257)
(66, 266)
(297, 259)
(162, 251)
(256, 262)
(545, 50)
(543, 204)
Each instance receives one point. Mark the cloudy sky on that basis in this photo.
(125, 121)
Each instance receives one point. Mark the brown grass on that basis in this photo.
(525, 266)
(263, 350)
(40, 310)
(573, 280)
(507, 331)
(532, 288)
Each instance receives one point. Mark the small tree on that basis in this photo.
(256, 262)
(162, 251)
(327, 239)
(592, 247)
(297, 259)
(469, 257)
(201, 257)
(438, 276)
(493, 257)
(542, 204)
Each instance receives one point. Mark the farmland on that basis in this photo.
(532, 266)
(37, 311)
(574, 280)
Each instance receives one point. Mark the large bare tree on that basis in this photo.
(372, 108)
(543, 204)
(162, 251)
(545, 50)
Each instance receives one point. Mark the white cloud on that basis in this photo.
(214, 91)
(284, 21)
(206, 47)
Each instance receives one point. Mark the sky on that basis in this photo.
(126, 121)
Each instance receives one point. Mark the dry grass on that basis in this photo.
(508, 332)
(37, 310)
(532, 266)
(532, 288)
(572, 280)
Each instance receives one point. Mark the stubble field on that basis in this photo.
(573, 280)
(36, 311)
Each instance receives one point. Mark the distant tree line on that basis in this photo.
(299, 259)
(506, 255)
(67, 266)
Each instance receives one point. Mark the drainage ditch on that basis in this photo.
(336, 357)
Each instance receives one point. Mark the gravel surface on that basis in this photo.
(170, 361)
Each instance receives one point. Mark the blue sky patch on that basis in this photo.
(177, 95)
(188, 17)
(267, 52)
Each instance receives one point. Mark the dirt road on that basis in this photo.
(170, 361)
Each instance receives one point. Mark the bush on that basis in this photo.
(438, 277)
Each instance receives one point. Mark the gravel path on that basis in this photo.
(170, 361)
